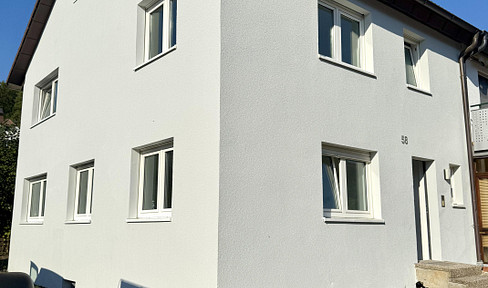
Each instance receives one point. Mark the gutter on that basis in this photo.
(479, 42)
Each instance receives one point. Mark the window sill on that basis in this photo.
(155, 58)
(354, 220)
(32, 223)
(347, 66)
(43, 120)
(84, 221)
(416, 89)
(148, 220)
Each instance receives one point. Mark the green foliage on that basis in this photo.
(9, 145)
(11, 103)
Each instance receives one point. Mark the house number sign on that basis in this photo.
(404, 139)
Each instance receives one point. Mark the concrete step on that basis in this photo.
(435, 274)
(477, 281)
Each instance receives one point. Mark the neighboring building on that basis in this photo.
(3, 121)
(242, 143)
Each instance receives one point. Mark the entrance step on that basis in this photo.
(441, 274)
(476, 281)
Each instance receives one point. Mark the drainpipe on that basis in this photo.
(475, 47)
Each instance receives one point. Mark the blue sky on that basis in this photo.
(15, 15)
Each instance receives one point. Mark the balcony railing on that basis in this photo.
(479, 126)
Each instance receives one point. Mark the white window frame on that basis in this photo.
(343, 154)
(54, 91)
(40, 217)
(336, 38)
(87, 216)
(160, 211)
(166, 31)
(413, 47)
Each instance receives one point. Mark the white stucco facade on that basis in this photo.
(279, 103)
(104, 110)
(249, 105)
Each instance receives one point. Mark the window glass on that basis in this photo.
(55, 95)
(483, 86)
(481, 165)
(150, 188)
(173, 24)
(409, 66)
(45, 103)
(326, 24)
(35, 199)
(91, 198)
(350, 41)
(330, 183)
(356, 186)
(168, 182)
(43, 197)
(83, 190)
(156, 32)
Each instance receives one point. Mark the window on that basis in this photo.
(84, 191)
(455, 181)
(80, 193)
(37, 199)
(340, 33)
(46, 98)
(410, 63)
(483, 86)
(155, 183)
(346, 182)
(160, 28)
(416, 62)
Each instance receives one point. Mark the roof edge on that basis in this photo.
(38, 20)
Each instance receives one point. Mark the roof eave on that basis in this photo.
(435, 17)
(32, 35)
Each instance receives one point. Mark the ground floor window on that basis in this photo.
(346, 182)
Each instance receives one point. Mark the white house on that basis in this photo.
(173, 143)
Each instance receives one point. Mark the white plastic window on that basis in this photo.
(340, 34)
(156, 183)
(346, 182)
(48, 96)
(37, 200)
(160, 34)
(84, 193)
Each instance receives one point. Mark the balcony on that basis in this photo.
(479, 127)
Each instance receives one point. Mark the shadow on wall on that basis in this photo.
(46, 278)
(127, 284)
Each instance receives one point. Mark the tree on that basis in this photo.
(9, 144)
(11, 103)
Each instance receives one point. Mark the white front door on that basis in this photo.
(422, 219)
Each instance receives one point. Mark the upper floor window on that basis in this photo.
(410, 63)
(46, 97)
(341, 32)
(160, 25)
(416, 66)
